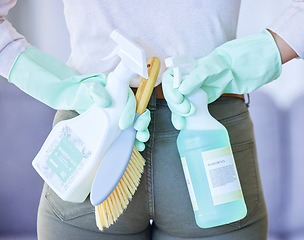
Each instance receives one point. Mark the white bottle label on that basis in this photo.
(63, 159)
(189, 184)
(222, 175)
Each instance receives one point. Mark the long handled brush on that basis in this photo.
(108, 212)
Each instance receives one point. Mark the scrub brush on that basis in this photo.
(108, 212)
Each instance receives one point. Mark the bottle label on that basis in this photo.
(222, 175)
(189, 184)
(64, 159)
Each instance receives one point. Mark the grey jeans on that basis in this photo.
(162, 194)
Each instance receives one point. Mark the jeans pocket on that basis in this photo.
(66, 211)
(248, 172)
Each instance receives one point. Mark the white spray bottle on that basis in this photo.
(71, 154)
(207, 159)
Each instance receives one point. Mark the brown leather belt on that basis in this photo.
(160, 95)
(233, 95)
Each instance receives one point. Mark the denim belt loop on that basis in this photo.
(248, 100)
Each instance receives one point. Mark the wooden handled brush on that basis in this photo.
(108, 212)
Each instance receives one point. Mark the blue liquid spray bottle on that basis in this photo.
(207, 159)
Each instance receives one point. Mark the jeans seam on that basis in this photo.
(150, 180)
(167, 134)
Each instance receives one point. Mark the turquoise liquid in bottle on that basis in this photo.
(209, 168)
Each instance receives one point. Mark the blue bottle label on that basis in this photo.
(222, 175)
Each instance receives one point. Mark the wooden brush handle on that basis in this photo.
(146, 86)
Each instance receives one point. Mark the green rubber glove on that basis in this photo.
(58, 86)
(239, 66)
(141, 126)
(55, 84)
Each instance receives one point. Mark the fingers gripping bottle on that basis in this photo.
(71, 154)
(207, 160)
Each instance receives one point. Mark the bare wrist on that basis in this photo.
(287, 53)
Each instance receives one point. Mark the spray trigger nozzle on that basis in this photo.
(131, 54)
(182, 66)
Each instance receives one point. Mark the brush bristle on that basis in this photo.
(108, 212)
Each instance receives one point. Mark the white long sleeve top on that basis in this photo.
(163, 29)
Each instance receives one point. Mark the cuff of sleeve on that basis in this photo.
(11, 45)
(290, 28)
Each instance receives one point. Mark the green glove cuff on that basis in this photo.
(239, 66)
(35, 59)
(55, 84)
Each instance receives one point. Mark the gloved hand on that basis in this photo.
(141, 126)
(238, 66)
(58, 86)
(55, 84)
